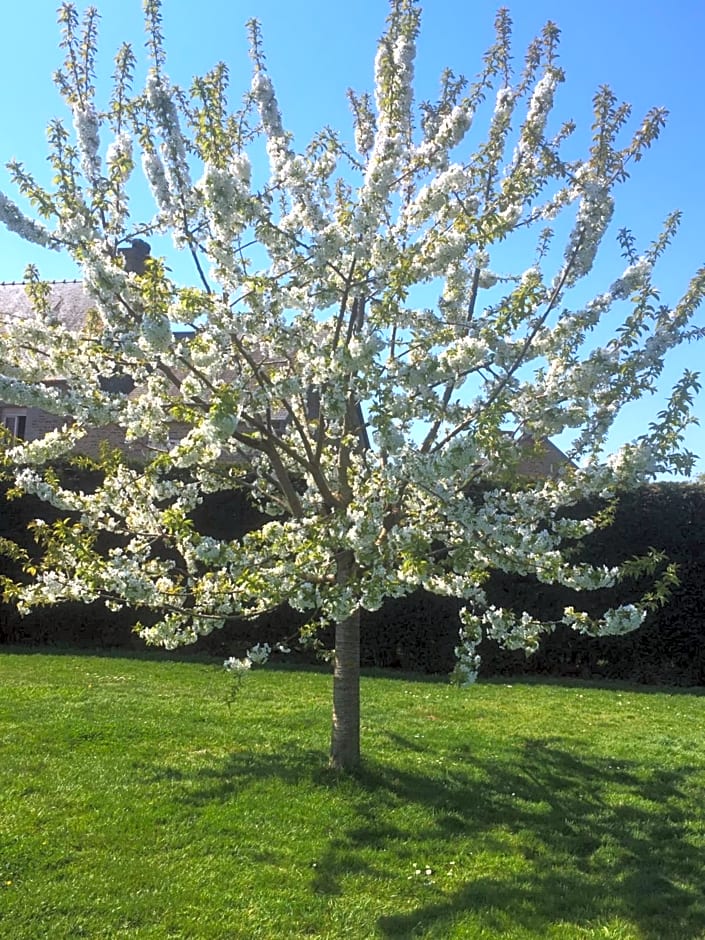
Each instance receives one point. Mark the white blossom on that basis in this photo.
(238, 666)
(87, 126)
(156, 177)
(28, 229)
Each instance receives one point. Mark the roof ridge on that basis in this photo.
(75, 280)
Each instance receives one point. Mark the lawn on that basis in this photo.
(135, 802)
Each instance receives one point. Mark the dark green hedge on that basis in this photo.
(419, 632)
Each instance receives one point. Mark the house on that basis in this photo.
(541, 459)
(72, 306)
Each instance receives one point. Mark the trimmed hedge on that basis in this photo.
(419, 632)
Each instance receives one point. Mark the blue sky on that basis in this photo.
(649, 51)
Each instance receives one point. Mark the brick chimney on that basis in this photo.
(136, 255)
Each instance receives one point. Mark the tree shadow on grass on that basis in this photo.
(598, 840)
(586, 839)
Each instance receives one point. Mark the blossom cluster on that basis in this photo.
(256, 656)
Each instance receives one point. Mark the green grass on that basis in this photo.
(135, 804)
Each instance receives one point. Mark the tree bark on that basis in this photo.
(345, 736)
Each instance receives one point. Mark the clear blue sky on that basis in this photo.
(651, 52)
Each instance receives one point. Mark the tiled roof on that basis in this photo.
(67, 299)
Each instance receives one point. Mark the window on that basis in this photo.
(16, 422)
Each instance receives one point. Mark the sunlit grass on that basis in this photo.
(136, 803)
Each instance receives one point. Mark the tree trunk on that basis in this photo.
(345, 737)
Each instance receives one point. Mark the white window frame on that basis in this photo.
(15, 421)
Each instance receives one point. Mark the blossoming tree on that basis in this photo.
(367, 353)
